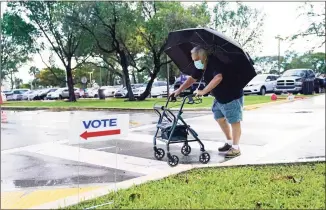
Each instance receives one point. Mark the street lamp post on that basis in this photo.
(168, 76)
(279, 39)
(90, 78)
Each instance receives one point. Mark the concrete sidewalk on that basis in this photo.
(271, 134)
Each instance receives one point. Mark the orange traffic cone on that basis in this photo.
(4, 118)
(3, 114)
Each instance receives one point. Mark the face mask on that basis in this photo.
(199, 64)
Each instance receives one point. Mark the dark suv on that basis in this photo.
(292, 81)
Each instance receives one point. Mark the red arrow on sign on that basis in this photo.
(86, 134)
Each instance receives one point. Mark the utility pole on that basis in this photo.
(168, 76)
(279, 39)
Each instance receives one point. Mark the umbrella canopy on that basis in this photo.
(234, 60)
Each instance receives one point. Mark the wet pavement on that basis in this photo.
(34, 127)
(25, 129)
(36, 152)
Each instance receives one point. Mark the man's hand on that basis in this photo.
(176, 92)
(199, 93)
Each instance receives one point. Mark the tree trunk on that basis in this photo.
(147, 91)
(72, 97)
(124, 65)
(134, 76)
(157, 64)
(12, 80)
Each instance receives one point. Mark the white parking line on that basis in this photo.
(105, 148)
(100, 158)
(32, 147)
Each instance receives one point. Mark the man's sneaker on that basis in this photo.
(232, 153)
(225, 148)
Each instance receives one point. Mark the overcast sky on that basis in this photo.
(281, 19)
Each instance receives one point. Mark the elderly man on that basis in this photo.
(228, 103)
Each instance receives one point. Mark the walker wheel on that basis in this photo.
(173, 161)
(204, 158)
(159, 154)
(186, 150)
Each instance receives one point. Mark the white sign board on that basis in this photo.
(83, 80)
(101, 129)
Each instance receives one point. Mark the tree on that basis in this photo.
(269, 64)
(243, 24)
(67, 41)
(18, 82)
(33, 71)
(16, 44)
(314, 61)
(315, 14)
(112, 25)
(156, 21)
(53, 77)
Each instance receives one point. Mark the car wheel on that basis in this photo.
(60, 97)
(317, 90)
(262, 91)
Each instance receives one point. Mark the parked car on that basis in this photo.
(171, 89)
(123, 93)
(180, 80)
(30, 95)
(292, 80)
(321, 82)
(62, 93)
(17, 94)
(91, 92)
(108, 90)
(42, 94)
(158, 89)
(3, 96)
(261, 84)
(8, 94)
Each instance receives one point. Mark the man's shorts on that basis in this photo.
(232, 111)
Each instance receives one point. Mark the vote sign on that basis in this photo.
(104, 128)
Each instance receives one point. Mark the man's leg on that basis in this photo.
(225, 128)
(220, 118)
(236, 133)
(233, 114)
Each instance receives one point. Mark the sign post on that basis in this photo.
(101, 129)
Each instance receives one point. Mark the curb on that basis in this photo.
(33, 108)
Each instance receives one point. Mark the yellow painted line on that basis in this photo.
(134, 123)
(9, 198)
(25, 200)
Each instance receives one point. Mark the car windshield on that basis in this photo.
(291, 73)
(59, 90)
(137, 86)
(259, 78)
(23, 91)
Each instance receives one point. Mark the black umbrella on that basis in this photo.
(234, 60)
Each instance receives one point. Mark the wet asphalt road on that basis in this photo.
(26, 128)
(28, 160)
(24, 169)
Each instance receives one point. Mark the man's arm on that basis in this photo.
(187, 84)
(214, 82)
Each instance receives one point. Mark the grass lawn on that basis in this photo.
(121, 103)
(298, 186)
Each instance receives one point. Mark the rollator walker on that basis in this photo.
(173, 129)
